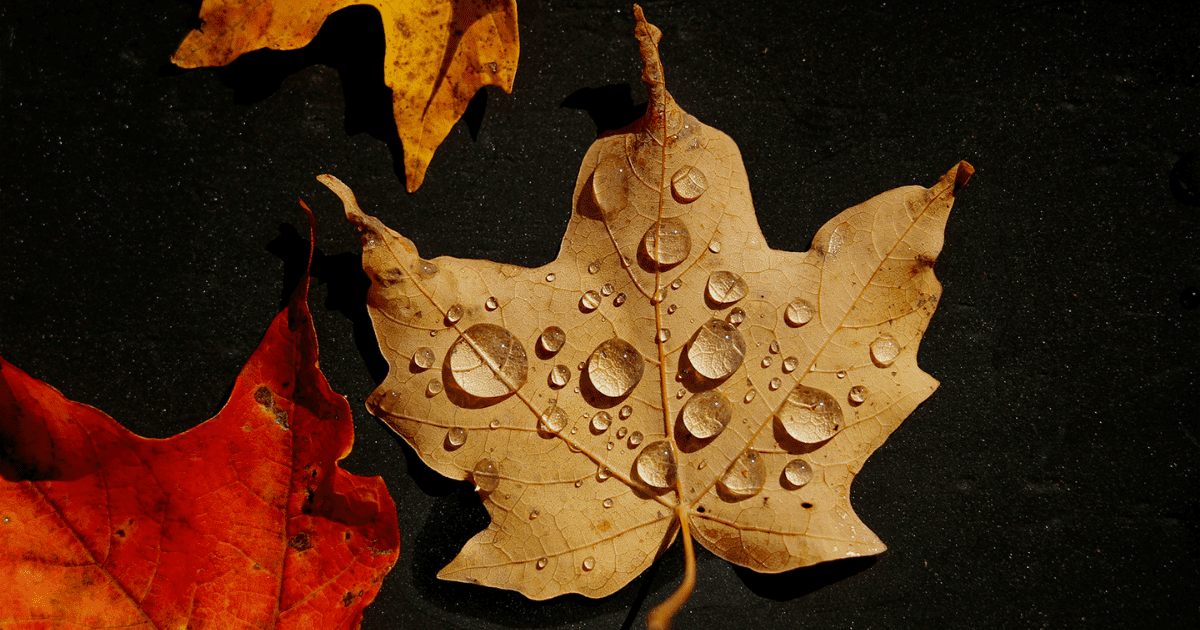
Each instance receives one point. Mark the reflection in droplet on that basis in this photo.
(635, 438)
(606, 290)
(858, 394)
(541, 562)
(790, 363)
(553, 419)
(601, 420)
(797, 473)
(655, 465)
(491, 304)
(725, 287)
(706, 414)
(589, 563)
(717, 349)
(615, 367)
(423, 358)
(688, 183)
(487, 361)
(774, 384)
(454, 313)
(560, 375)
(626, 411)
(619, 300)
(590, 300)
(810, 415)
(607, 503)
(667, 242)
(715, 247)
(799, 312)
(550, 277)
(552, 339)
(884, 350)
(456, 436)
(749, 397)
(736, 316)
(433, 388)
(664, 335)
(485, 475)
(745, 477)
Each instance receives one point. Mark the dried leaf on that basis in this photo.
(244, 521)
(439, 53)
(667, 373)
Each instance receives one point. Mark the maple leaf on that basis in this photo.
(439, 54)
(244, 520)
(667, 374)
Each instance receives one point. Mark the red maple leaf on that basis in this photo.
(244, 521)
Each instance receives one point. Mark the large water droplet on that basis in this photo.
(745, 477)
(456, 436)
(667, 242)
(717, 349)
(797, 473)
(560, 375)
(725, 287)
(601, 421)
(590, 301)
(655, 465)
(487, 361)
(423, 358)
(615, 367)
(810, 415)
(858, 394)
(884, 350)
(552, 339)
(688, 183)
(454, 313)
(426, 269)
(554, 419)
(799, 312)
(707, 414)
(485, 475)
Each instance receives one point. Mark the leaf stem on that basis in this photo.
(660, 616)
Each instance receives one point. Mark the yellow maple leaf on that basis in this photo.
(439, 53)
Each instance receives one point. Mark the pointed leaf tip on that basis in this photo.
(962, 173)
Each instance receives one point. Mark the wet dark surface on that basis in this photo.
(149, 226)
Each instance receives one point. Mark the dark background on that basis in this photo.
(148, 227)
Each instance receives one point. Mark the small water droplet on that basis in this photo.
(590, 301)
(681, 393)
(621, 432)
(676, 283)
(749, 397)
(552, 339)
(841, 374)
(619, 300)
(603, 473)
(671, 309)
(736, 316)
(715, 247)
(433, 333)
(534, 513)
(433, 388)
(706, 414)
(799, 312)
(560, 375)
(607, 503)
(809, 415)
(553, 419)
(655, 465)
(774, 347)
(423, 358)
(626, 411)
(774, 384)
(578, 483)
(667, 242)
(491, 304)
(884, 350)
(606, 290)
(550, 277)
(454, 313)
(615, 367)
(790, 363)
(541, 562)
(766, 362)
(456, 436)
(487, 361)
(426, 269)
(858, 394)
(635, 438)
(495, 423)
(659, 296)
(485, 475)
(610, 446)
(594, 268)
(797, 473)
(688, 184)
(745, 477)
(716, 350)
(601, 421)
(702, 465)
(725, 287)
(664, 335)
(589, 563)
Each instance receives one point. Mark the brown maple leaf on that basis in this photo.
(439, 53)
(668, 373)
(244, 521)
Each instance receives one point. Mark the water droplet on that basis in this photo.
(594, 268)
(578, 483)
(749, 397)
(707, 414)
(671, 309)
(610, 446)
(626, 411)
(658, 296)
(621, 432)
(681, 393)
(736, 316)
(552, 339)
(491, 304)
(456, 436)
(550, 277)
(841, 374)
(433, 333)
(858, 394)
(603, 473)
(766, 362)
(607, 503)
(541, 562)
(619, 300)
(745, 477)
(702, 465)
(655, 465)
(725, 287)
(790, 363)
(485, 475)
(676, 283)
(495, 423)
(606, 290)
(810, 415)
(433, 388)
(590, 301)
(688, 183)
(715, 247)
(615, 367)
(799, 312)
(454, 313)
(797, 473)
(664, 335)
(553, 419)
(589, 563)
(774, 384)
(487, 361)
(426, 269)
(635, 438)
(601, 420)
(667, 242)
(423, 358)
(774, 347)
(534, 513)
(717, 349)
(884, 350)
(560, 375)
